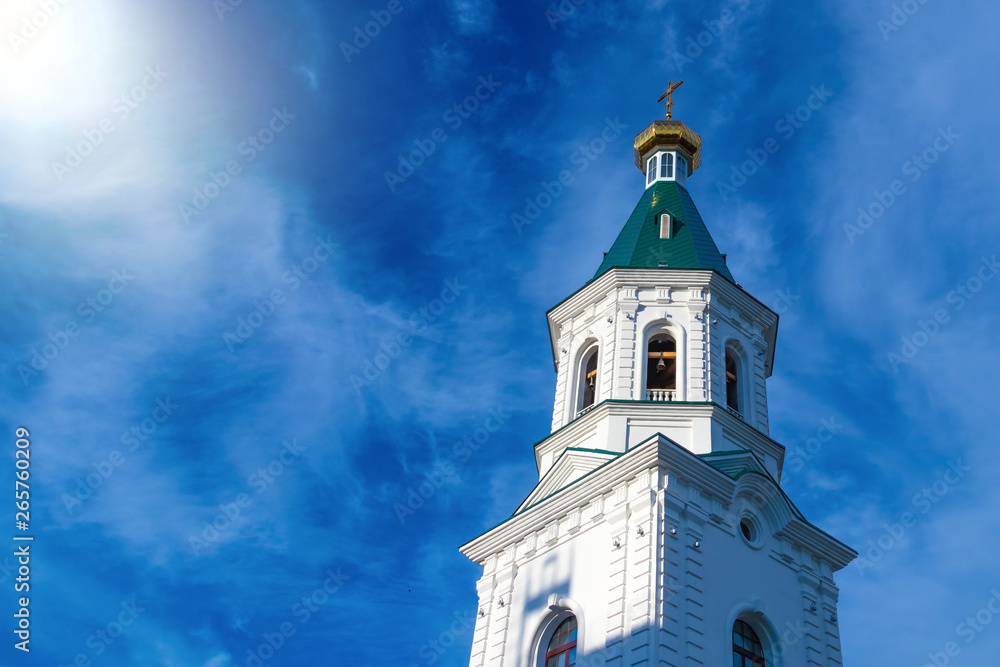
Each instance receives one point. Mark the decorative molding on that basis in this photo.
(552, 533)
(574, 521)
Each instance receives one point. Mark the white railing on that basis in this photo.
(735, 413)
(585, 410)
(661, 394)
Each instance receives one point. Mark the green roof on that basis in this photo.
(639, 244)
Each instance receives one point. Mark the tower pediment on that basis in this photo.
(572, 464)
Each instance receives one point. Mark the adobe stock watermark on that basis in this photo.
(419, 321)
(914, 168)
(798, 457)
(787, 126)
(101, 639)
(131, 440)
(454, 116)
(957, 298)
(892, 533)
(440, 474)
(581, 157)
(259, 481)
(968, 630)
(303, 611)
(121, 108)
(899, 17)
(444, 472)
(696, 45)
(783, 301)
(381, 18)
(431, 651)
(249, 149)
(34, 23)
(802, 454)
(59, 339)
(223, 7)
(264, 308)
(561, 12)
(471, 443)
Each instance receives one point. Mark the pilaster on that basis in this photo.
(699, 375)
(500, 612)
(642, 569)
(480, 634)
(628, 335)
(812, 622)
(616, 518)
(671, 602)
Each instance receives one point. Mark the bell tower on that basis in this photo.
(658, 532)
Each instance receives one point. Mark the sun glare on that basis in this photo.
(57, 61)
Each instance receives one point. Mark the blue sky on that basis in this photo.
(220, 310)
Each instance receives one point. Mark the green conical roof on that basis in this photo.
(639, 244)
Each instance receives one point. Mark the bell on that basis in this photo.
(661, 366)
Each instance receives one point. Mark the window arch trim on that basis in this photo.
(742, 385)
(591, 349)
(558, 610)
(745, 611)
(578, 351)
(677, 332)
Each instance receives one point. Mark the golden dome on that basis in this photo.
(666, 133)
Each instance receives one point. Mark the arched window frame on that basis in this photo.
(673, 329)
(734, 350)
(560, 608)
(774, 655)
(743, 655)
(559, 655)
(682, 169)
(733, 373)
(591, 347)
(666, 165)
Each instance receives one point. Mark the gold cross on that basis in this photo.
(669, 95)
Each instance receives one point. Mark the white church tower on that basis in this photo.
(658, 533)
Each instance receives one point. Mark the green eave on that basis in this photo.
(639, 244)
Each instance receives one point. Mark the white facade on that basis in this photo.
(647, 554)
(704, 313)
(658, 521)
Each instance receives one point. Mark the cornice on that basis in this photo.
(741, 432)
(657, 451)
(709, 280)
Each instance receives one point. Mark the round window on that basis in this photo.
(750, 530)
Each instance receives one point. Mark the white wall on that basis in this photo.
(657, 598)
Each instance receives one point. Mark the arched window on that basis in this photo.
(562, 646)
(661, 368)
(667, 165)
(588, 380)
(732, 380)
(651, 170)
(747, 651)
